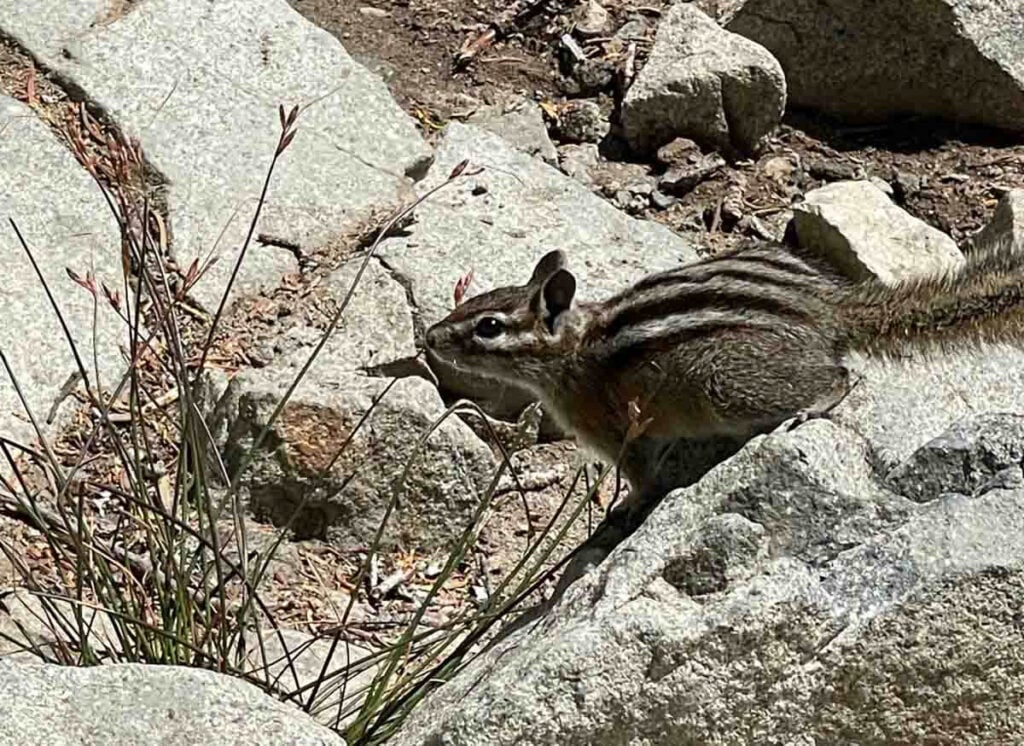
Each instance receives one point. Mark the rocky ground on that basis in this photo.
(948, 174)
(562, 118)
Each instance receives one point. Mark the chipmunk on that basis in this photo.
(733, 345)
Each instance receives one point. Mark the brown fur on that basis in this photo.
(730, 346)
(982, 301)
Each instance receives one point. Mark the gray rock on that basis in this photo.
(136, 705)
(634, 29)
(200, 84)
(298, 475)
(900, 406)
(589, 78)
(704, 83)
(581, 121)
(51, 31)
(787, 595)
(661, 201)
(498, 223)
(67, 224)
(683, 177)
(591, 19)
(577, 161)
(964, 459)
(863, 233)
(1006, 228)
(295, 660)
(954, 58)
(521, 125)
(883, 186)
(906, 184)
(376, 328)
(678, 152)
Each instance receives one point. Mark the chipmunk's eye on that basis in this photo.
(488, 327)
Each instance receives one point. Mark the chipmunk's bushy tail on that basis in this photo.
(981, 301)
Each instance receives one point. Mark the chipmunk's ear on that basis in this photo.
(547, 266)
(554, 297)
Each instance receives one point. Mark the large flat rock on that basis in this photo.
(899, 406)
(499, 223)
(137, 705)
(952, 58)
(67, 224)
(788, 598)
(199, 83)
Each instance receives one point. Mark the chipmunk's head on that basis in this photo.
(511, 333)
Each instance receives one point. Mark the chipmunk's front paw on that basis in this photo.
(804, 417)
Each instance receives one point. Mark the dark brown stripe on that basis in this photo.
(710, 268)
(633, 353)
(699, 298)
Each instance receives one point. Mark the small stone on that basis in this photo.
(680, 179)
(577, 161)
(632, 30)
(778, 168)
(661, 201)
(643, 188)
(1007, 224)
(521, 124)
(828, 170)
(883, 185)
(905, 184)
(590, 78)
(680, 150)
(859, 229)
(372, 12)
(591, 19)
(582, 121)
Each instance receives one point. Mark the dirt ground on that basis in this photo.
(946, 174)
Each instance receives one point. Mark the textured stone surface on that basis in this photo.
(900, 406)
(375, 331)
(581, 121)
(300, 660)
(863, 233)
(704, 83)
(136, 705)
(951, 58)
(67, 224)
(199, 83)
(499, 223)
(1006, 225)
(788, 598)
(965, 458)
(343, 499)
(521, 125)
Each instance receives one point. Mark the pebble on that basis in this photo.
(591, 19)
(581, 121)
